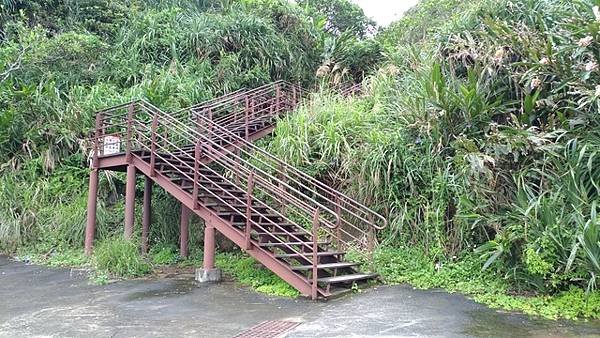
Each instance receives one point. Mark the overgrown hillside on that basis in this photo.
(479, 140)
(477, 136)
(60, 61)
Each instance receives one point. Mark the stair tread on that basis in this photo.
(277, 233)
(308, 254)
(326, 266)
(347, 278)
(266, 245)
(237, 213)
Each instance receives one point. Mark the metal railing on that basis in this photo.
(208, 146)
(349, 212)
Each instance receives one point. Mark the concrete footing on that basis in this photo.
(209, 276)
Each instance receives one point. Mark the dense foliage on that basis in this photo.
(60, 61)
(340, 16)
(479, 137)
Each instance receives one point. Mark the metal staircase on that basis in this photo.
(203, 155)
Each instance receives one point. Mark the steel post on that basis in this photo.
(184, 231)
(315, 255)
(130, 114)
(130, 201)
(196, 187)
(147, 213)
(249, 211)
(371, 241)
(338, 212)
(209, 247)
(153, 146)
(90, 228)
(247, 119)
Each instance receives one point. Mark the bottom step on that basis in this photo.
(347, 278)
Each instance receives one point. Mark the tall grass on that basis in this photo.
(478, 133)
(62, 61)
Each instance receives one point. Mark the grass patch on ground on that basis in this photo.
(120, 258)
(246, 271)
(164, 254)
(62, 258)
(464, 275)
(117, 258)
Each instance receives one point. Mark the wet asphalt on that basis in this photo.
(40, 301)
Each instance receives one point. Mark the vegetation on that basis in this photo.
(248, 271)
(120, 258)
(62, 61)
(339, 16)
(400, 265)
(478, 139)
(477, 135)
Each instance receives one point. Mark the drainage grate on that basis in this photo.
(268, 329)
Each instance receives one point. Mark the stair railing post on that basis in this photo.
(282, 181)
(294, 97)
(247, 119)
(338, 212)
(315, 255)
(210, 119)
(153, 146)
(235, 110)
(248, 229)
(371, 241)
(97, 136)
(196, 187)
(238, 156)
(130, 115)
(277, 98)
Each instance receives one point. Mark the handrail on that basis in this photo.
(251, 147)
(233, 208)
(212, 126)
(341, 202)
(138, 136)
(232, 162)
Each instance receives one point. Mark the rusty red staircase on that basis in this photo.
(203, 155)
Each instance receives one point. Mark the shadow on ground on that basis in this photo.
(40, 301)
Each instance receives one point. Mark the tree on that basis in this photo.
(340, 16)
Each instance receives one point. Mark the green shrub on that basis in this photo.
(246, 271)
(120, 258)
(164, 254)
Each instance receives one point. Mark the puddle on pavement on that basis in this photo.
(170, 288)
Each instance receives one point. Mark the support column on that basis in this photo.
(130, 201)
(90, 228)
(147, 213)
(184, 231)
(209, 273)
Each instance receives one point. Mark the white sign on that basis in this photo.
(112, 145)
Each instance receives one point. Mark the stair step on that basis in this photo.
(277, 244)
(254, 215)
(325, 266)
(347, 278)
(235, 205)
(278, 233)
(308, 254)
(265, 224)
